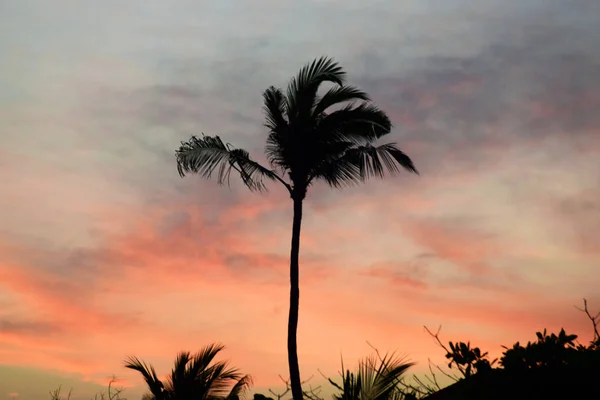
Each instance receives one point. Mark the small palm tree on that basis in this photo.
(375, 379)
(194, 378)
(307, 142)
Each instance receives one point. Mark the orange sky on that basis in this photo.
(105, 252)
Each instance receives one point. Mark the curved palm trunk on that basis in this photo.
(294, 303)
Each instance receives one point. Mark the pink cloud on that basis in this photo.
(179, 280)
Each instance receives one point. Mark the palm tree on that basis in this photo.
(307, 142)
(375, 379)
(194, 378)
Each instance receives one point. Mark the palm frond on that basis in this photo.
(323, 156)
(221, 378)
(277, 149)
(302, 89)
(148, 373)
(240, 388)
(362, 162)
(337, 95)
(200, 363)
(195, 376)
(274, 107)
(207, 154)
(380, 376)
(360, 124)
(179, 381)
(375, 379)
(375, 161)
(216, 378)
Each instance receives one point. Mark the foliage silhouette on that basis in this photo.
(376, 378)
(469, 360)
(194, 377)
(542, 369)
(112, 393)
(307, 142)
(551, 351)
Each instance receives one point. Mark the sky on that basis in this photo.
(105, 252)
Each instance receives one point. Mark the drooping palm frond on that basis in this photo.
(222, 378)
(275, 105)
(240, 388)
(337, 95)
(375, 161)
(149, 374)
(361, 124)
(359, 163)
(302, 89)
(207, 154)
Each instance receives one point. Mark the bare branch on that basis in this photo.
(436, 337)
(594, 319)
(311, 393)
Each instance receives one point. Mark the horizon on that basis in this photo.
(105, 252)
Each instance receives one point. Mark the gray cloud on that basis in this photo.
(578, 218)
(463, 84)
(33, 328)
(493, 95)
(528, 78)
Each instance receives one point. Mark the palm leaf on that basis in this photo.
(240, 388)
(380, 377)
(277, 149)
(220, 380)
(208, 154)
(375, 161)
(275, 105)
(148, 373)
(195, 377)
(339, 94)
(375, 379)
(302, 90)
(362, 162)
(179, 381)
(360, 124)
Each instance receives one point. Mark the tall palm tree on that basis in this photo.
(308, 141)
(194, 378)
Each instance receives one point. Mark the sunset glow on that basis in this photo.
(105, 252)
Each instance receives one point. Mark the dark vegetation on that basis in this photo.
(333, 137)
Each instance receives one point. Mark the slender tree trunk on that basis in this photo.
(294, 303)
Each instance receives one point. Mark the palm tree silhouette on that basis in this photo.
(307, 142)
(194, 378)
